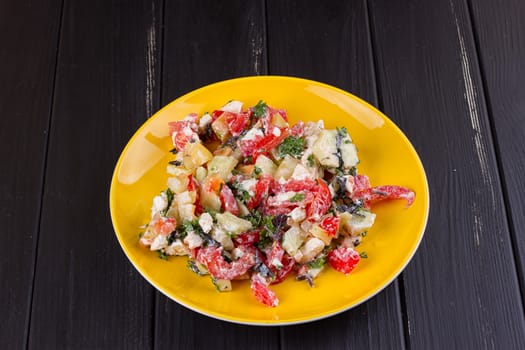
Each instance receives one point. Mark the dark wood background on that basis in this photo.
(77, 78)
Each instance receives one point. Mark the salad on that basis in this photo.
(251, 197)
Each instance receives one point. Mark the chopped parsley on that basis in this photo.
(317, 263)
(259, 109)
(342, 131)
(257, 170)
(169, 197)
(363, 255)
(311, 160)
(162, 255)
(297, 197)
(291, 145)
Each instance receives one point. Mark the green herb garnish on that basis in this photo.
(317, 263)
(291, 145)
(363, 255)
(259, 109)
(257, 170)
(162, 255)
(311, 160)
(297, 197)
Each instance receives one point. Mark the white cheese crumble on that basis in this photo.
(159, 242)
(160, 203)
(193, 240)
(206, 222)
(249, 186)
(176, 248)
(252, 134)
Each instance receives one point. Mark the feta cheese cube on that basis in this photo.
(206, 222)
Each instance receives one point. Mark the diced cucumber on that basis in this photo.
(349, 154)
(286, 168)
(293, 238)
(325, 149)
(222, 285)
(210, 200)
(266, 165)
(222, 165)
(233, 224)
(220, 127)
(358, 222)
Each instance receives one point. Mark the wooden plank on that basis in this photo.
(87, 295)
(501, 46)
(461, 289)
(223, 42)
(329, 42)
(28, 56)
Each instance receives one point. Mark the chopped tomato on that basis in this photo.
(182, 132)
(379, 193)
(261, 291)
(298, 130)
(330, 225)
(321, 202)
(228, 201)
(164, 226)
(262, 144)
(343, 259)
(237, 122)
(279, 262)
(361, 183)
(281, 274)
(193, 185)
(274, 206)
(247, 238)
(216, 114)
(212, 258)
(308, 185)
(262, 189)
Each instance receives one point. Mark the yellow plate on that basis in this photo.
(387, 157)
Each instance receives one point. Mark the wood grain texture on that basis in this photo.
(501, 47)
(461, 288)
(201, 47)
(87, 295)
(27, 56)
(329, 42)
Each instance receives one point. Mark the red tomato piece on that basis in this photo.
(307, 185)
(182, 132)
(343, 259)
(228, 200)
(216, 114)
(361, 183)
(330, 225)
(237, 122)
(297, 130)
(275, 256)
(282, 112)
(262, 189)
(261, 144)
(164, 226)
(247, 238)
(280, 274)
(193, 185)
(273, 206)
(261, 291)
(379, 193)
(321, 202)
(212, 258)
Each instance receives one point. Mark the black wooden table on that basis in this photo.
(77, 78)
